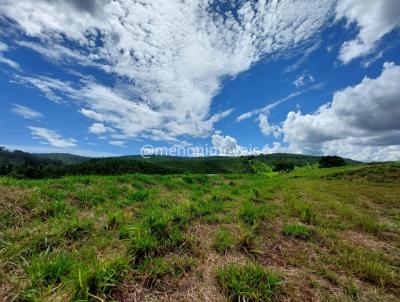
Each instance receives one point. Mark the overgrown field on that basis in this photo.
(309, 235)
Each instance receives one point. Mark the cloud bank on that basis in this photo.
(170, 56)
(373, 18)
(362, 122)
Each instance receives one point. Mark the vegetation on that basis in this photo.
(25, 165)
(331, 161)
(284, 166)
(297, 230)
(248, 283)
(318, 234)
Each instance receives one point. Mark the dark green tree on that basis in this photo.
(331, 161)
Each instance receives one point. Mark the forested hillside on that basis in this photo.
(22, 164)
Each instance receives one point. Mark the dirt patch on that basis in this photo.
(5, 291)
(368, 241)
(15, 210)
(197, 285)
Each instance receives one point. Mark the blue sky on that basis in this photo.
(105, 78)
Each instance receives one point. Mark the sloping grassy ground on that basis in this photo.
(309, 235)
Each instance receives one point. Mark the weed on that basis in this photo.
(139, 196)
(144, 244)
(248, 283)
(367, 265)
(100, 280)
(155, 269)
(45, 270)
(299, 231)
(352, 290)
(114, 220)
(77, 230)
(252, 214)
(223, 241)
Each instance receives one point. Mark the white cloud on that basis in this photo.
(266, 128)
(99, 128)
(374, 19)
(50, 87)
(169, 55)
(4, 60)
(362, 122)
(52, 138)
(26, 112)
(276, 148)
(266, 110)
(117, 143)
(227, 146)
(303, 80)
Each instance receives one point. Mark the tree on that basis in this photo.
(331, 161)
(283, 166)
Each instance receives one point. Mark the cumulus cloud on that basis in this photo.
(266, 128)
(227, 146)
(374, 20)
(170, 56)
(51, 137)
(26, 112)
(275, 148)
(361, 122)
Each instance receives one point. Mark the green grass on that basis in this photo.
(248, 283)
(93, 238)
(159, 268)
(299, 231)
(223, 241)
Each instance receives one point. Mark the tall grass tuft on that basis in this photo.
(248, 283)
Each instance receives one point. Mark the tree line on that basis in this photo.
(21, 164)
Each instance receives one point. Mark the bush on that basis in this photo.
(283, 166)
(248, 283)
(331, 161)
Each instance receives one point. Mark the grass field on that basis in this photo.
(309, 235)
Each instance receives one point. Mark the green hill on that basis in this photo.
(22, 164)
(66, 158)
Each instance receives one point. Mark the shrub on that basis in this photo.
(248, 283)
(283, 166)
(331, 161)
